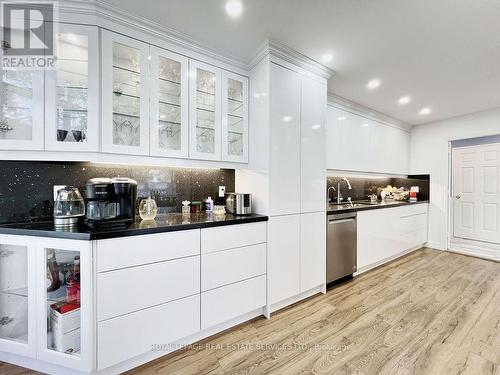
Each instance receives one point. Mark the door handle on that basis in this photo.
(458, 196)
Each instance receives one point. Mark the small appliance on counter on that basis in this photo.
(69, 208)
(111, 203)
(239, 203)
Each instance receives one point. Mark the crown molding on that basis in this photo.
(283, 52)
(361, 110)
(102, 10)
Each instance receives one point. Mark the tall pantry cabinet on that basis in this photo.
(287, 175)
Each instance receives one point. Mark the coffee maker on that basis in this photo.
(110, 202)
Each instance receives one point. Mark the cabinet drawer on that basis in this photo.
(229, 237)
(124, 252)
(222, 304)
(229, 266)
(126, 290)
(127, 336)
(414, 209)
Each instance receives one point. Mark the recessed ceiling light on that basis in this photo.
(341, 118)
(404, 100)
(234, 8)
(365, 125)
(327, 57)
(424, 111)
(287, 118)
(373, 84)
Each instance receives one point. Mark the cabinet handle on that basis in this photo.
(458, 196)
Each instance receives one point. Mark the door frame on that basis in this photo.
(449, 188)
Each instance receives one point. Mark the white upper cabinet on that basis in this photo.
(284, 168)
(205, 111)
(356, 143)
(21, 103)
(125, 95)
(234, 117)
(169, 132)
(313, 154)
(72, 91)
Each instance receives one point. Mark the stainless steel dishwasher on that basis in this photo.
(341, 246)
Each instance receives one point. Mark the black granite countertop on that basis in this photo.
(366, 205)
(163, 223)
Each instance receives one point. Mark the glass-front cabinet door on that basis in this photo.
(64, 302)
(21, 104)
(17, 296)
(72, 91)
(169, 132)
(234, 117)
(205, 111)
(125, 95)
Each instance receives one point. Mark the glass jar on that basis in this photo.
(148, 209)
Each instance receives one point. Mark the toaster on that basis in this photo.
(239, 203)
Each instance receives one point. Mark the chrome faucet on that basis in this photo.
(339, 196)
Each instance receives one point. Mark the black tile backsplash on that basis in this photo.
(363, 186)
(26, 187)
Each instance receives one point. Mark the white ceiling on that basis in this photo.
(444, 54)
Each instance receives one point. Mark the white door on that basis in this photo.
(205, 111)
(313, 146)
(283, 258)
(125, 95)
(476, 195)
(169, 131)
(284, 166)
(72, 91)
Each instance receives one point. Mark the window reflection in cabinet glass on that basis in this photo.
(126, 95)
(14, 293)
(169, 104)
(63, 301)
(72, 87)
(235, 117)
(16, 120)
(205, 111)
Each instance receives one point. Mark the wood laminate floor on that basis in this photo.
(430, 312)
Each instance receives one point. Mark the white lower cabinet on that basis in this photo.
(233, 280)
(131, 289)
(312, 250)
(128, 336)
(230, 266)
(231, 301)
(383, 234)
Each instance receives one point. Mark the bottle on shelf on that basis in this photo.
(53, 280)
(73, 281)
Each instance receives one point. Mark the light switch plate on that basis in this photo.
(56, 190)
(222, 191)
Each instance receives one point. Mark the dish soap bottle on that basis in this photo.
(209, 203)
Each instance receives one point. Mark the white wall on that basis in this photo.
(429, 154)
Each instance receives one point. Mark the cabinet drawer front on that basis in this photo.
(415, 209)
(229, 237)
(231, 301)
(229, 266)
(130, 335)
(124, 252)
(127, 290)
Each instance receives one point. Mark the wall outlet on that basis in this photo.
(56, 190)
(222, 191)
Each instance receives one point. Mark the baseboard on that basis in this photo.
(484, 250)
(435, 246)
(387, 260)
(48, 368)
(290, 301)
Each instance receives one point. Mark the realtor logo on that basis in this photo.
(28, 30)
